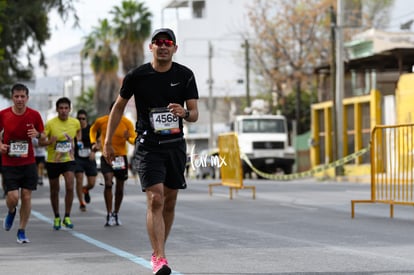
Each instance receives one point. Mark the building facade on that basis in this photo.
(210, 35)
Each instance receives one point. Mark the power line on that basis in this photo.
(402, 16)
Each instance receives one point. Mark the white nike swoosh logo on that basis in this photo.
(174, 84)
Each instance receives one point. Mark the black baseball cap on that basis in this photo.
(166, 31)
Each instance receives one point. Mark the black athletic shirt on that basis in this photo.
(85, 141)
(153, 89)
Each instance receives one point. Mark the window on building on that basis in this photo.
(199, 9)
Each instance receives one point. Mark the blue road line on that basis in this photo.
(130, 257)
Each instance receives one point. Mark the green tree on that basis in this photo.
(2, 14)
(84, 100)
(104, 63)
(293, 37)
(307, 98)
(132, 26)
(24, 30)
(376, 13)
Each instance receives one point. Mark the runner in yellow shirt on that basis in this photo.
(61, 132)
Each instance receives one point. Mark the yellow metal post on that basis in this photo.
(327, 116)
(358, 130)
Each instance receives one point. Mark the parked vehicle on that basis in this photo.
(205, 165)
(264, 139)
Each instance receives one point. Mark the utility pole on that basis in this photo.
(298, 106)
(339, 84)
(247, 60)
(210, 96)
(333, 85)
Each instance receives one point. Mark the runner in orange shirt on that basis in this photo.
(119, 167)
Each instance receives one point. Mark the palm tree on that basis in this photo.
(104, 63)
(132, 26)
(84, 101)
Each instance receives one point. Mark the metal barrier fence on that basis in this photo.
(392, 166)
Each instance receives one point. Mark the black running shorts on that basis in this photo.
(161, 164)
(55, 169)
(16, 177)
(120, 174)
(87, 166)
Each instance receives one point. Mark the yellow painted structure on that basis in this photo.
(231, 171)
(392, 166)
(404, 98)
(360, 115)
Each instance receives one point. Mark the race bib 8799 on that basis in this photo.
(19, 148)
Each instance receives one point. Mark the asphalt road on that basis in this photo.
(295, 227)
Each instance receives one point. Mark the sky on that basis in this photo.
(402, 12)
(90, 11)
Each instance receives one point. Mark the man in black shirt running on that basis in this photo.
(161, 89)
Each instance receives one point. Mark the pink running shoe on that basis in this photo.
(153, 260)
(160, 266)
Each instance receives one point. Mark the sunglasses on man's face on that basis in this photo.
(160, 42)
(82, 118)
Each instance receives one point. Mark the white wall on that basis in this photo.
(224, 23)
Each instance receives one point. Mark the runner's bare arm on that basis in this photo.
(113, 121)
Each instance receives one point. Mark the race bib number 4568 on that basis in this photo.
(164, 122)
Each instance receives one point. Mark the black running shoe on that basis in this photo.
(86, 195)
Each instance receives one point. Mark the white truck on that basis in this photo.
(264, 139)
